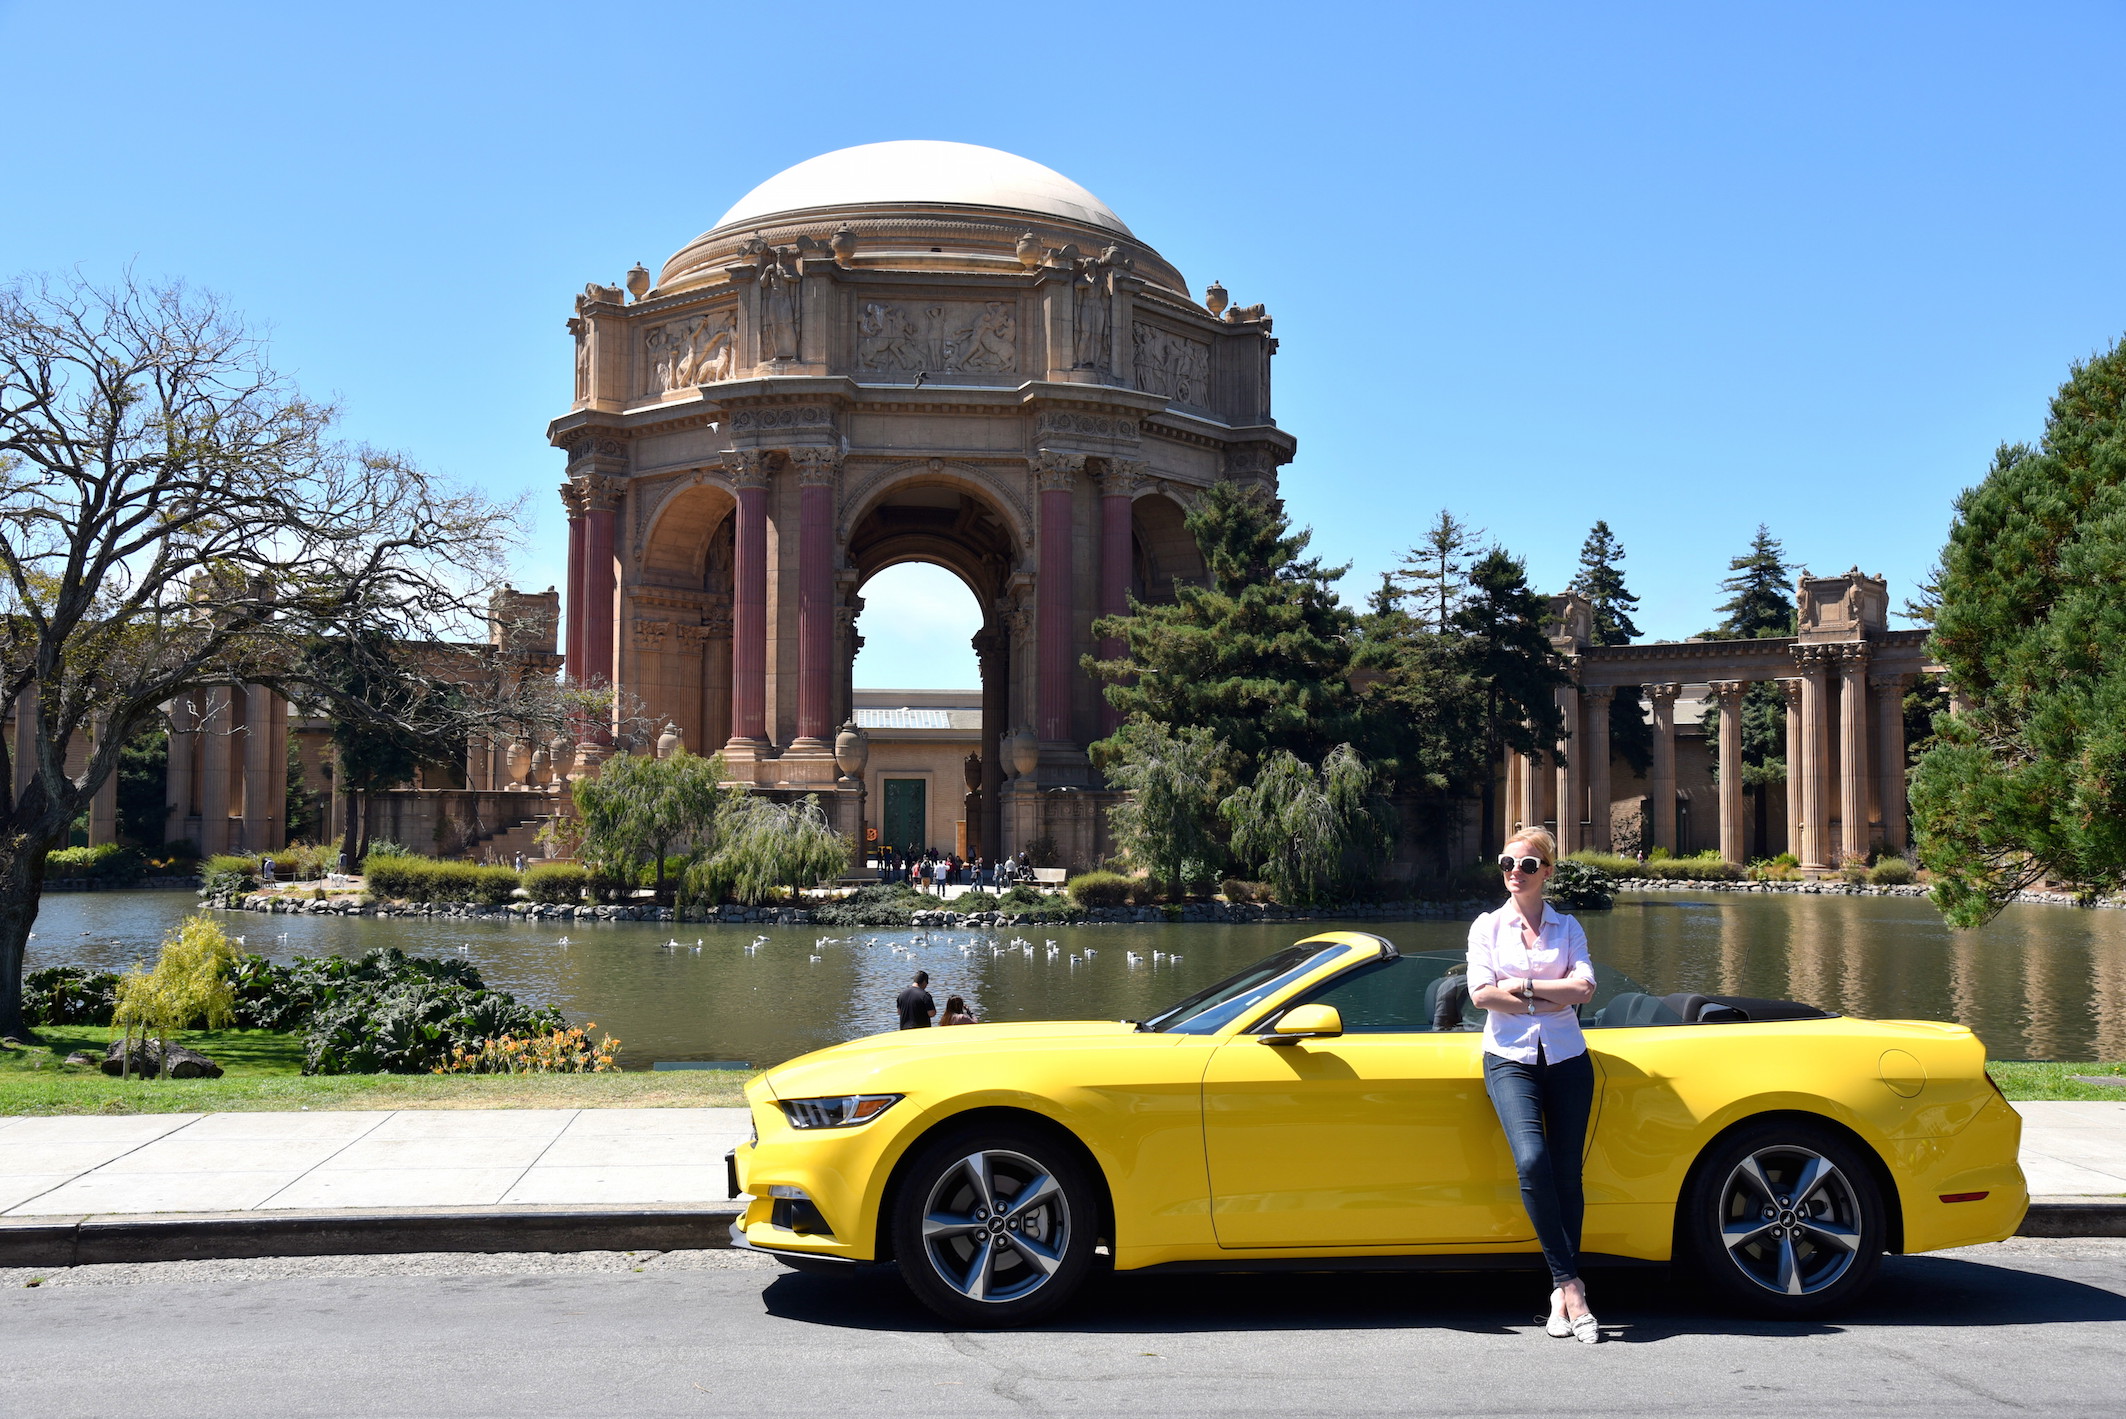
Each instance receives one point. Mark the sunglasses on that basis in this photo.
(1528, 865)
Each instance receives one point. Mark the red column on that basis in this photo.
(815, 598)
(598, 586)
(1116, 490)
(1057, 595)
(574, 649)
(749, 608)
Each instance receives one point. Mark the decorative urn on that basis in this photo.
(1025, 752)
(638, 280)
(972, 770)
(852, 750)
(1215, 298)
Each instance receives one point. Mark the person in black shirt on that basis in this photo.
(915, 1004)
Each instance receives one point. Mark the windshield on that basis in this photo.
(1208, 1011)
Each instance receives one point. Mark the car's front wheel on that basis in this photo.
(1783, 1218)
(994, 1225)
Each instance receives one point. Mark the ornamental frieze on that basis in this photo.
(961, 337)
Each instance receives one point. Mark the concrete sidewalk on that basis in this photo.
(249, 1162)
(87, 1166)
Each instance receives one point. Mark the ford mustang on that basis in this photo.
(1325, 1108)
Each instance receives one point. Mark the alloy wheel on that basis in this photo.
(1790, 1220)
(996, 1226)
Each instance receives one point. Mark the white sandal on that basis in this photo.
(1585, 1330)
(1557, 1326)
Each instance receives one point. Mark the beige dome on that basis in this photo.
(921, 172)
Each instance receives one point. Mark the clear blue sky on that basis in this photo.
(1683, 267)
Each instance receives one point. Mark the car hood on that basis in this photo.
(867, 1065)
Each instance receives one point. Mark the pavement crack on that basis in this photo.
(1010, 1377)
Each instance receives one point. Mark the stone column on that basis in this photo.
(1795, 753)
(601, 499)
(572, 651)
(1572, 771)
(1057, 595)
(214, 771)
(1815, 777)
(749, 612)
(1118, 488)
(992, 653)
(260, 813)
(815, 469)
(1594, 755)
(1729, 694)
(1661, 786)
(1890, 772)
(103, 804)
(178, 784)
(1510, 810)
(25, 748)
(1853, 750)
(1531, 810)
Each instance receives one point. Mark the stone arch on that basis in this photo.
(867, 489)
(681, 529)
(1161, 548)
(930, 516)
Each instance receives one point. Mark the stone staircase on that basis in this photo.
(503, 847)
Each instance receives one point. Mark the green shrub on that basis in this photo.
(1893, 871)
(1098, 889)
(227, 875)
(385, 1013)
(69, 995)
(1235, 890)
(106, 862)
(303, 862)
(1659, 854)
(1854, 872)
(1616, 864)
(385, 847)
(1020, 897)
(421, 879)
(556, 883)
(1690, 869)
(494, 886)
(881, 904)
(1143, 892)
(1786, 859)
(975, 901)
(1581, 886)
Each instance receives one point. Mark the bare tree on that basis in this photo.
(175, 515)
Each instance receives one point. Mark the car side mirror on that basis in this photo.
(1306, 1022)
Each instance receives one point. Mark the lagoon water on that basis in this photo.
(2039, 982)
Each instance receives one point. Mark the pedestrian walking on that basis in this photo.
(956, 1012)
(915, 1005)
(520, 864)
(1529, 971)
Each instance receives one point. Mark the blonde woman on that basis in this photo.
(1529, 971)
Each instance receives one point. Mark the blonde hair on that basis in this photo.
(1546, 846)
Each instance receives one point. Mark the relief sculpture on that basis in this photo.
(1172, 365)
(958, 336)
(686, 353)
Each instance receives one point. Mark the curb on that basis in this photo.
(216, 1236)
(220, 1236)
(2075, 1217)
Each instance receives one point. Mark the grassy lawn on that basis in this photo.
(263, 1070)
(2044, 1079)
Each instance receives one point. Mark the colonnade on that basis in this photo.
(1844, 744)
(103, 807)
(228, 769)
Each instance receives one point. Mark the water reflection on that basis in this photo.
(2038, 982)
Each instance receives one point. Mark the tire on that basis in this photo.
(1783, 1218)
(981, 1265)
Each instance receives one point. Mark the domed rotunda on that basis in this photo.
(908, 351)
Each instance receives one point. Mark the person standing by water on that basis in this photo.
(956, 1012)
(915, 1005)
(1529, 971)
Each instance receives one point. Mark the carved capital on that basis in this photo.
(1598, 695)
(1892, 686)
(1793, 690)
(1851, 655)
(1124, 476)
(716, 623)
(1057, 472)
(749, 468)
(693, 637)
(815, 467)
(652, 635)
(1813, 658)
(599, 492)
(1728, 692)
(572, 499)
(1663, 694)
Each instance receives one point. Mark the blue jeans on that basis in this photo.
(1544, 1107)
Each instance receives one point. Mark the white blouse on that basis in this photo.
(1496, 953)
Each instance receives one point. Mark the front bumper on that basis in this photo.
(839, 1171)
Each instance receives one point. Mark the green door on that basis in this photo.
(907, 814)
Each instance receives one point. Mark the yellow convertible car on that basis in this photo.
(1325, 1109)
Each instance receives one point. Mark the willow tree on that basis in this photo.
(174, 516)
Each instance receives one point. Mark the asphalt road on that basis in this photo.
(2027, 1325)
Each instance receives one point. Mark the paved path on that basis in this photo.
(2020, 1327)
(241, 1162)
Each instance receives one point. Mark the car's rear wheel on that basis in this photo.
(994, 1225)
(1784, 1218)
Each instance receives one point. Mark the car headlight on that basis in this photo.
(844, 1112)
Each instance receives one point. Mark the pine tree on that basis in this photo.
(1514, 670)
(1760, 592)
(1260, 655)
(1436, 570)
(1601, 580)
(2028, 780)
